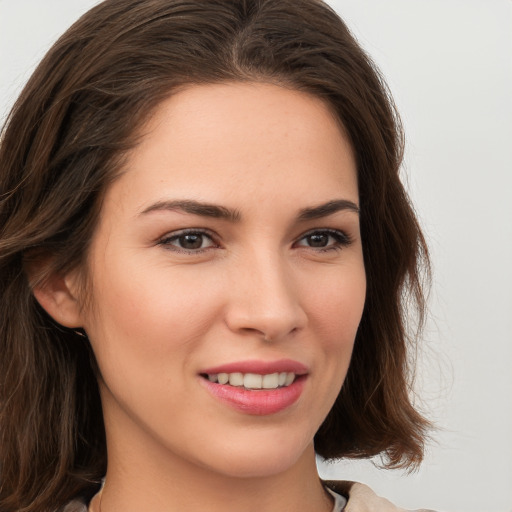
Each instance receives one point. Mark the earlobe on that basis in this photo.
(57, 295)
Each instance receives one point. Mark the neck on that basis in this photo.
(167, 484)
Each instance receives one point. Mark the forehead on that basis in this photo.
(238, 141)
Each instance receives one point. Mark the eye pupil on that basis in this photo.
(191, 241)
(318, 240)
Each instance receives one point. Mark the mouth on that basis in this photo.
(252, 381)
(255, 387)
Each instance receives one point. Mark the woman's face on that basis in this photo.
(228, 250)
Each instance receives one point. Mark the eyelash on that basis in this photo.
(166, 241)
(341, 238)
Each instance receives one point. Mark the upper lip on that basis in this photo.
(259, 367)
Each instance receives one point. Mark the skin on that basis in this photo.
(257, 288)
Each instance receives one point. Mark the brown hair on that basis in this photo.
(63, 144)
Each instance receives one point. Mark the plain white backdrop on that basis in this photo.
(449, 66)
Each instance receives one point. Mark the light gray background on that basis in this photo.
(449, 65)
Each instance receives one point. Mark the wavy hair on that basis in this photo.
(63, 143)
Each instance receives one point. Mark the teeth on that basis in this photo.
(253, 380)
(270, 381)
(289, 379)
(236, 379)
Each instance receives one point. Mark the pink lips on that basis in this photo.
(258, 402)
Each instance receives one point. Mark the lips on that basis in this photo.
(256, 387)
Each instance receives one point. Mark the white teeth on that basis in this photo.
(236, 379)
(253, 380)
(270, 381)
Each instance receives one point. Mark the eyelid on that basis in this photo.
(343, 239)
(173, 235)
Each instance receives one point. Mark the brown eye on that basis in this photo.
(317, 240)
(324, 240)
(192, 241)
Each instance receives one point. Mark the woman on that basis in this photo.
(206, 257)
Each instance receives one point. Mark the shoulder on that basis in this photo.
(77, 505)
(81, 501)
(362, 499)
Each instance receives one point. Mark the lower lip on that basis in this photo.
(257, 402)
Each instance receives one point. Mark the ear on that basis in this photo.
(57, 294)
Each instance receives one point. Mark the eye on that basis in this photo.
(188, 241)
(324, 240)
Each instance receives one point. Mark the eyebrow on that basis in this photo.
(326, 209)
(233, 215)
(195, 208)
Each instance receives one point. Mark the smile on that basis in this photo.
(256, 387)
(253, 380)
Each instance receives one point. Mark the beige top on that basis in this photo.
(360, 499)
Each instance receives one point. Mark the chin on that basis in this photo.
(260, 459)
(259, 468)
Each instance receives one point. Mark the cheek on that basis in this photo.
(335, 311)
(336, 308)
(151, 314)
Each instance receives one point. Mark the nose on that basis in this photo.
(265, 300)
